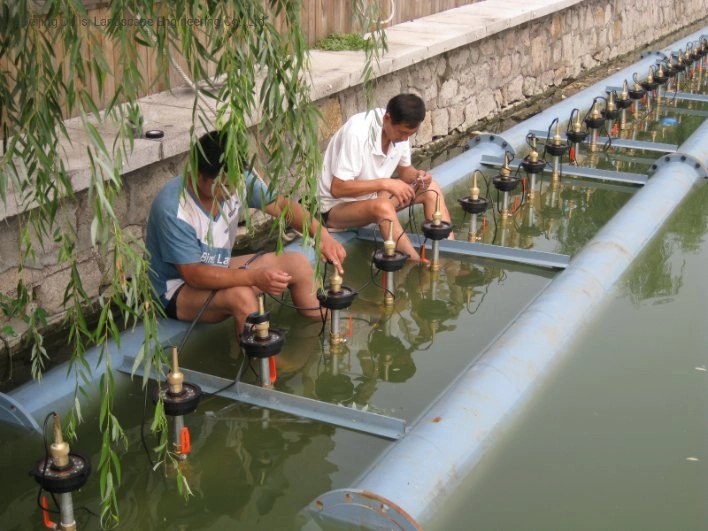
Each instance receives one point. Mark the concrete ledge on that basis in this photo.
(330, 73)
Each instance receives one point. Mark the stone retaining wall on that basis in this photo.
(460, 88)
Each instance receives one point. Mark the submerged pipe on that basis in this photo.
(414, 476)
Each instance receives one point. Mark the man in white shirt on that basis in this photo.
(356, 187)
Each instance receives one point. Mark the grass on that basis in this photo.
(338, 42)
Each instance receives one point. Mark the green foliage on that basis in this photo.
(256, 71)
(338, 42)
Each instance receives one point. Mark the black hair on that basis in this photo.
(408, 109)
(209, 153)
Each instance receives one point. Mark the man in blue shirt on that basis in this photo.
(190, 234)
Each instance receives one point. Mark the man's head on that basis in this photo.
(404, 114)
(209, 153)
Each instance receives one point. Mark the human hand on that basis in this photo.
(332, 251)
(422, 180)
(401, 191)
(271, 280)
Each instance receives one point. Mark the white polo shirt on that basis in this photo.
(354, 154)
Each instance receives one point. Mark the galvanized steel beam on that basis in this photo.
(300, 406)
(483, 250)
(581, 171)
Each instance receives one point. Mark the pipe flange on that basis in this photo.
(679, 158)
(637, 94)
(363, 509)
(653, 53)
(494, 139)
(610, 115)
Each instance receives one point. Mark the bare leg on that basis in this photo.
(240, 301)
(381, 211)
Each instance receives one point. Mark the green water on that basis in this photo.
(616, 441)
(618, 438)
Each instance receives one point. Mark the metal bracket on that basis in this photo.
(627, 143)
(680, 158)
(584, 172)
(353, 419)
(486, 250)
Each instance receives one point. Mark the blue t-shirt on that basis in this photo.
(181, 231)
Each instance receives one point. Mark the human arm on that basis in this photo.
(330, 249)
(204, 276)
(397, 189)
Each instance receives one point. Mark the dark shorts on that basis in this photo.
(325, 217)
(171, 308)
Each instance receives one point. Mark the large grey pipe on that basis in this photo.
(415, 475)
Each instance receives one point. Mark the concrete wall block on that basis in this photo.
(456, 116)
(331, 111)
(556, 27)
(471, 113)
(9, 244)
(50, 293)
(505, 67)
(440, 121)
(449, 93)
(425, 131)
(515, 90)
(386, 88)
(567, 55)
(538, 46)
(143, 184)
(528, 86)
(459, 59)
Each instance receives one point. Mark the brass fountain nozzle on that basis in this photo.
(660, 70)
(625, 91)
(594, 112)
(437, 215)
(505, 170)
(59, 449)
(474, 191)
(262, 328)
(611, 102)
(650, 76)
(533, 154)
(557, 137)
(577, 126)
(390, 245)
(335, 282)
(175, 378)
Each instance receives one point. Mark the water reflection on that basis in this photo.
(244, 467)
(658, 274)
